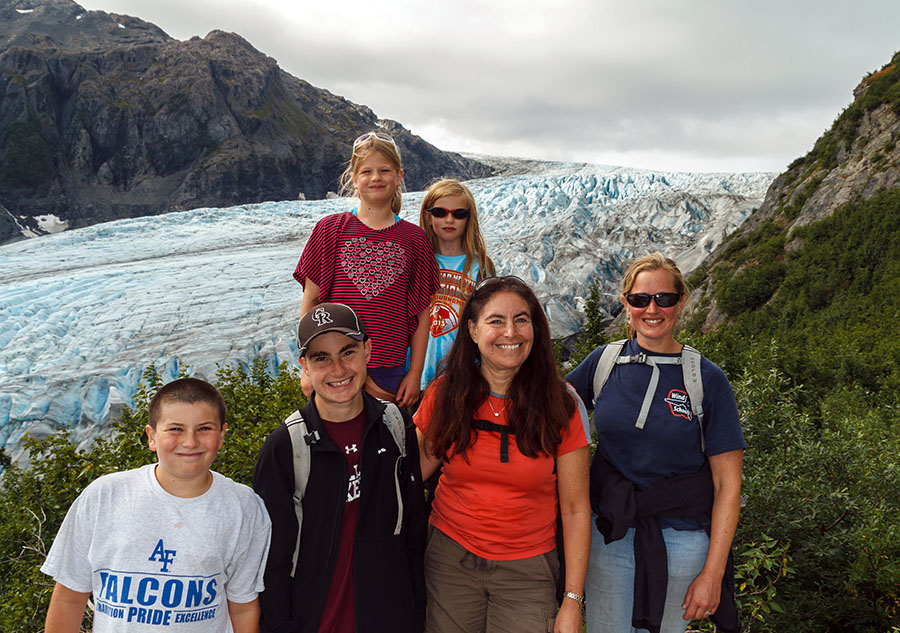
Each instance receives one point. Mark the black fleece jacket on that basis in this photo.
(388, 570)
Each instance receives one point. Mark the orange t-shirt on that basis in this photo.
(499, 511)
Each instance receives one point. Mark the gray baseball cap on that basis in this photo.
(329, 317)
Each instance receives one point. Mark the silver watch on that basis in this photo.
(574, 596)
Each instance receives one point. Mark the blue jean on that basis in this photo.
(609, 588)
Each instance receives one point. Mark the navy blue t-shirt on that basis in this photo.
(669, 443)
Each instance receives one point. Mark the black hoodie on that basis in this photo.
(388, 570)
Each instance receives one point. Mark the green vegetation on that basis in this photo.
(592, 333)
(284, 109)
(34, 500)
(828, 298)
(814, 358)
(881, 88)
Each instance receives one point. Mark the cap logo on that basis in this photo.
(322, 317)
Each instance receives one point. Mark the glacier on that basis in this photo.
(83, 312)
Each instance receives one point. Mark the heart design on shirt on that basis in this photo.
(372, 266)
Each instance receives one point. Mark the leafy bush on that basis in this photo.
(593, 332)
(750, 288)
(815, 371)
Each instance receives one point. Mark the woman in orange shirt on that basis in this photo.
(512, 444)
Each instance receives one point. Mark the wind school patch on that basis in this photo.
(680, 404)
(160, 598)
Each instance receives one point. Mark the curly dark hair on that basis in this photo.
(539, 405)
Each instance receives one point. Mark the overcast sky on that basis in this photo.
(694, 85)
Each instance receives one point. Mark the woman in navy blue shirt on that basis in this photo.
(683, 481)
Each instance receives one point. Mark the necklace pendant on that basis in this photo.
(493, 410)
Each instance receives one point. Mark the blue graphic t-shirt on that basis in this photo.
(669, 443)
(156, 562)
(446, 306)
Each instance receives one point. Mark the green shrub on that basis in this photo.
(750, 288)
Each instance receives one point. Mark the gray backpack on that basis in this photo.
(301, 438)
(690, 368)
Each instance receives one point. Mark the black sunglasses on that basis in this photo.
(441, 212)
(642, 299)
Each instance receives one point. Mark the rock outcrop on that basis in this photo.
(857, 158)
(104, 116)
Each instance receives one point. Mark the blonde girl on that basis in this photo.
(450, 221)
(379, 265)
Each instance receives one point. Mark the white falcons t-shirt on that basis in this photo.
(157, 562)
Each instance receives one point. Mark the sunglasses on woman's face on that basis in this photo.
(642, 299)
(441, 212)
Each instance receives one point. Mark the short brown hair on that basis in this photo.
(189, 391)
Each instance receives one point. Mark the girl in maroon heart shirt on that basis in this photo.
(379, 265)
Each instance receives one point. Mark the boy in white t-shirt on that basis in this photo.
(168, 546)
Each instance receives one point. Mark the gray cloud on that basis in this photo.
(681, 84)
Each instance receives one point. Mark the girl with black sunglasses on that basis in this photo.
(450, 221)
(684, 479)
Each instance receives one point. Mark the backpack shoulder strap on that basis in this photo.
(605, 366)
(300, 441)
(693, 384)
(393, 418)
(582, 411)
(504, 430)
(690, 361)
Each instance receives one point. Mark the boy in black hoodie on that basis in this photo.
(362, 541)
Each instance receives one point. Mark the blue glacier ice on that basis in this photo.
(84, 312)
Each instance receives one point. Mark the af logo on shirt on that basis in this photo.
(680, 404)
(163, 555)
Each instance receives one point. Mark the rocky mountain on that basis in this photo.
(104, 116)
(855, 160)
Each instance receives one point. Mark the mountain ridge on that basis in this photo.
(855, 160)
(105, 116)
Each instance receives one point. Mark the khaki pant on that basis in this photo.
(470, 594)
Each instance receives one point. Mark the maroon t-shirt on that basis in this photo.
(387, 276)
(339, 614)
